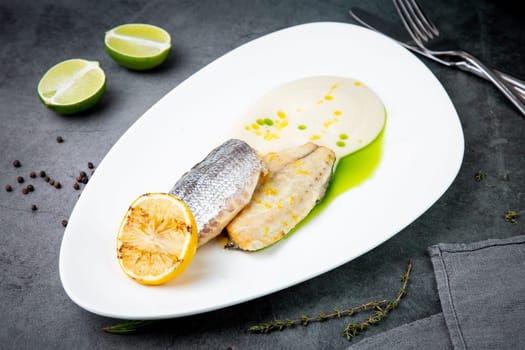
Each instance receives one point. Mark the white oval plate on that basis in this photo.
(422, 154)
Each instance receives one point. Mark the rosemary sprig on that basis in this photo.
(127, 327)
(381, 310)
(305, 320)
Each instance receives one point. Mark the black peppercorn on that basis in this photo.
(25, 190)
(8, 188)
(42, 173)
(32, 174)
(30, 188)
(34, 207)
(64, 222)
(76, 186)
(17, 163)
(20, 179)
(60, 139)
(90, 165)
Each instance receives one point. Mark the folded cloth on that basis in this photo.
(429, 333)
(481, 287)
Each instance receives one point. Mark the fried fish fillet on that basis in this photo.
(297, 180)
(220, 186)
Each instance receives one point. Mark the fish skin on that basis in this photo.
(220, 186)
(283, 198)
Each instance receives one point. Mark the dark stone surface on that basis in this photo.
(35, 310)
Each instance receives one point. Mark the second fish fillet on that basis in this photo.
(297, 181)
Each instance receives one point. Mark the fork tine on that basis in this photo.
(409, 7)
(409, 23)
(425, 20)
(414, 16)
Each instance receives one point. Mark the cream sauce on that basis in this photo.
(342, 114)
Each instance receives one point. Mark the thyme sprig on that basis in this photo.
(305, 320)
(353, 329)
(479, 176)
(511, 216)
(381, 310)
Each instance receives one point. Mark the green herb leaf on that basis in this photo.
(127, 327)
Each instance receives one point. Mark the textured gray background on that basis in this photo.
(35, 311)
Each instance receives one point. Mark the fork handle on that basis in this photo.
(513, 81)
(510, 92)
(517, 84)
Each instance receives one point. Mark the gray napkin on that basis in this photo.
(428, 333)
(481, 287)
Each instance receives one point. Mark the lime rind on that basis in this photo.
(138, 46)
(72, 86)
(138, 63)
(60, 84)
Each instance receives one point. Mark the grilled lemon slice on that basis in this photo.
(157, 238)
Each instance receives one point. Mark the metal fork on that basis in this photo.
(426, 35)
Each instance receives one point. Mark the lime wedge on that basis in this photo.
(138, 46)
(72, 86)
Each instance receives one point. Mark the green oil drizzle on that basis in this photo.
(352, 170)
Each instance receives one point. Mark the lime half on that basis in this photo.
(72, 86)
(138, 46)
